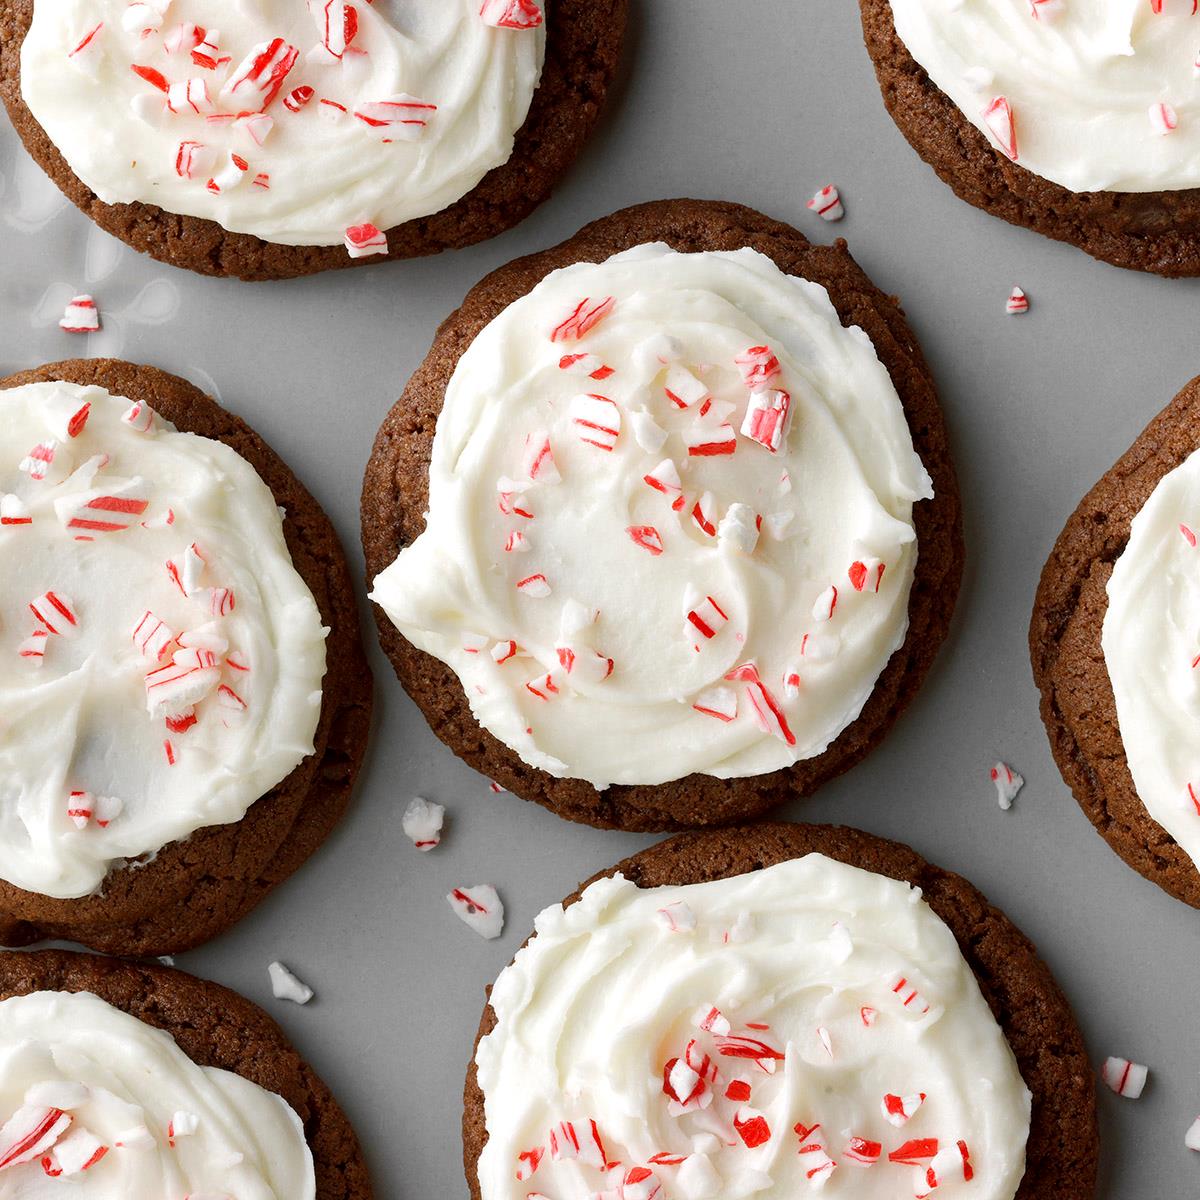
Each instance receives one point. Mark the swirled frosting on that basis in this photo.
(1084, 80)
(130, 1116)
(670, 521)
(331, 157)
(805, 1025)
(182, 679)
(1151, 643)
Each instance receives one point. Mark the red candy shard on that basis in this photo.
(998, 117)
(752, 1128)
(29, 1132)
(647, 537)
(914, 1152)
(260, 75)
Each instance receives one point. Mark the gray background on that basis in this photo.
(760, 101)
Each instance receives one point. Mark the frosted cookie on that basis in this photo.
(772, 1011)
(281, 137)
(1115, 645)
(693, 528)
(184, 704)
(1076, 118)
(138, 1081)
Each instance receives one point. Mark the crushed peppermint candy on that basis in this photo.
(422, 823)
(480, 907)
(81, 316)
(1123, 1077)
(827, 204)
(1008, 784)
(285, 985)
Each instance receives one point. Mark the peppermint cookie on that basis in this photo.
(128, 1080)
(769, 1009)
(693, 530)
(185, 702)
(1116, 650)
(1076, 118)
(282, 137)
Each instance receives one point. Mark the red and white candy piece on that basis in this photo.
(337, 24)
(825, 604)
(538, 461)
(862, 1152)
(597, 420)
(908, 995)
(194, 160)
(827, 204)
(950, 1163)
(104, 511)
(1126, 1078)
(190, 96)
(570, 1140)
(866, 575)
(647, 537)
(665, 479)
(683, 389)
(899, 1110)
(256, 126)
(182, 1124)
(14, 511)
(1008, 784)
(81, 316)
(173, 689)
(37, 464)
(677, 917)
(766, 418)
(144, 16)
(586, 315)
(639, 1183)
(152, 637)
(507, 491)
(79, 1151)
(1017, 304)
(258, 78)
(1001, 124)
(511, 14)
(751, 1126)
(582, 664)
(66, 415)
(814, 1158)
(422, 823)
(767, 711)
(537, 587)
(88, 51)
(704, 514)
(400, 116)
(705, 619)
(33, 649)
(585, 364)
(285, 985)
(757, 366)
(479, 907)
(30, 1131)
(1046, 10)
(1163, 119)
(704, 439)
(139, 417)
(229, 174)
(55, 613)
(718, 702)
(516, 543)
(297, 98)
(186, 571)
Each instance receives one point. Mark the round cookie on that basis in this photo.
(395, 495)
(214, 1027)
(194, 889)
(1078, 705)
(583, 49)
(1155, 231)
(1034, 1015)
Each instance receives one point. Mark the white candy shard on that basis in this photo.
(480, 907)
(1008, 784)
(422, 823)
(285, 985)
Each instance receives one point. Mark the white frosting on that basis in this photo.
(81, 720)
(596, 1005)
(245, 1142)
(1081, 77)
(328, 170)
(839, 490)
(1151, 643)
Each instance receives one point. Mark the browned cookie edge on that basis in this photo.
(1078, 707)
(214, 1027)
(583, 50)
(198, 887)
(1062, 1153)
(395, 494)
(1157, 232)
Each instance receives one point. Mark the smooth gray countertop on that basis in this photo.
(760, 101)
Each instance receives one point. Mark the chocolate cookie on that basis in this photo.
(1078, 706)
(395, 495)
(1063, 1146)
(193, 890)
(584, 39)
(214, 1027)
(1144, 231)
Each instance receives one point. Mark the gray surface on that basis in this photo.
(760, 101)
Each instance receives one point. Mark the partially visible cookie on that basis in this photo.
(444, 103)
(692, 523)
(1069, 641)
(758, 965)
(214, 1028)
(183, 890)
(1051, 121)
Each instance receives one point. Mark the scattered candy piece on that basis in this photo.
(1191, 1139)
(1124, 1077)
(583, 319)
(30, 1131)
(828, 204)
(1008, 784)
(422, 822)
(677, 917)
(1017, 304)
(1163, 119)
(899, 1110)
(480, 908)
(511, 14)
(365, 240)
(998, 117)
(285, 985)
(597, 420)
(81, 316)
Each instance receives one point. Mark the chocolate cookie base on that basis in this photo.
(214, 1027)
(395, 495)
(1158, 232)
(1078, 706)
(584, 39)
(1062, 1153)
(194, 889)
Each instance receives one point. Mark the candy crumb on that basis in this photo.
(1008, 784)
(286, 986)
